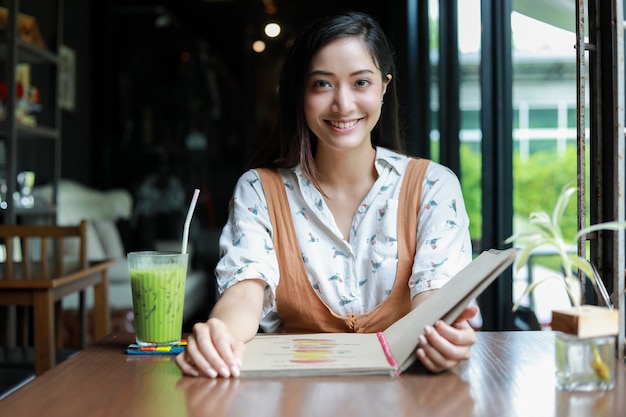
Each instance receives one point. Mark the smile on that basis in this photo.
(343, 125)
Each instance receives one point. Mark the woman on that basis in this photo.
(338, 154)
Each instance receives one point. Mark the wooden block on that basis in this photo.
(586, 321)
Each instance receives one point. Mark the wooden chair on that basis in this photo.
(36, 253)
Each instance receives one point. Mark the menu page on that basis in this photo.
(389, 352)
(315, 354)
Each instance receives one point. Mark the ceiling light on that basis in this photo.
(272, 30)
(258, 46)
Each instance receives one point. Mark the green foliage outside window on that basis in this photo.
(538, 182)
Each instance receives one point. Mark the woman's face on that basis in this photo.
(343, 95)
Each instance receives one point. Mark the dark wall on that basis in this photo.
(139, 102)
(172, 108)
(164, 71)
(77, 126)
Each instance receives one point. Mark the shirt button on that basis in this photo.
(353, 293)
(361, 209)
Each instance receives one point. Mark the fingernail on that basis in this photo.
(421, 354)
(211, 372)
(234, 371)
(428, 329)
(194, 372)
(224, 372)
(422, 340)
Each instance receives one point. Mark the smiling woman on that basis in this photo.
(350, 249)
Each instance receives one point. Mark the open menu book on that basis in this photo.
(389, 352)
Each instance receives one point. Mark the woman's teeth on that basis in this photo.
(343, 125)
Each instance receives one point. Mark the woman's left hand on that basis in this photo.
(443, 346)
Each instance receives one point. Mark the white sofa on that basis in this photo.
(102, 210)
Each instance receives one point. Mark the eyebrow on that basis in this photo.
(328, 73)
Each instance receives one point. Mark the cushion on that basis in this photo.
(76, 202)
(110, 238)
(101, 209)
(95, 251)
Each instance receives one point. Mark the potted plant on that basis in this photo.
(585, 334)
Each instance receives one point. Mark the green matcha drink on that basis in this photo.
(157, 281)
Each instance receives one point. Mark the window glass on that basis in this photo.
(433, 17)
(544, 136)
(469, 29)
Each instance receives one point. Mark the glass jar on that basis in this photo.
(584, 364)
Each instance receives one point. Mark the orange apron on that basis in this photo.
(299, 307)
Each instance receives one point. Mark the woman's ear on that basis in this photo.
(386, 83)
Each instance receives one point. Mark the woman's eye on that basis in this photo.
(321, 83)
(362, 83)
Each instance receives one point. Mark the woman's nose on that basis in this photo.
(343, 100)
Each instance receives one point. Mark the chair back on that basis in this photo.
(36, 251)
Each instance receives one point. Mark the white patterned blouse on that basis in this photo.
(356, 273)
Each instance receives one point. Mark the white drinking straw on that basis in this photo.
(194, 200)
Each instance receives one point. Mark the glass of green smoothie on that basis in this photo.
(157, 281)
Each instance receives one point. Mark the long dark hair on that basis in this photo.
(293, 142)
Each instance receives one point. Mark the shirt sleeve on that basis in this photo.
(443, 245)
(246, 245)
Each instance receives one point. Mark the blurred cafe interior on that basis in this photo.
(149, 100)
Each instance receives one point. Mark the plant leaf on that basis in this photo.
(531, 287)
(549, 234)
(526, 252)
(521, 235)
(600, 226)
(542, 220)
(584, 266)
(561, 205)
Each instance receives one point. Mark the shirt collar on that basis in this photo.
(388, 159)
(385, 159)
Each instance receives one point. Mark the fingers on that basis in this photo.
(468, 313)
(221, 352)
(206, 352)
(433, 352)
(190, 361)
(443, 347)
(185, 365)
(211, 351)
(200, 358)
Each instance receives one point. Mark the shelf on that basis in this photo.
(29, 53)
(32, 132)
(35, 211)
(15, 50)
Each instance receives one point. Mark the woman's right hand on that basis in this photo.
(211, 351)
(215, 347)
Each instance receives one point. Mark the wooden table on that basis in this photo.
(42, 294)
(510, 374)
